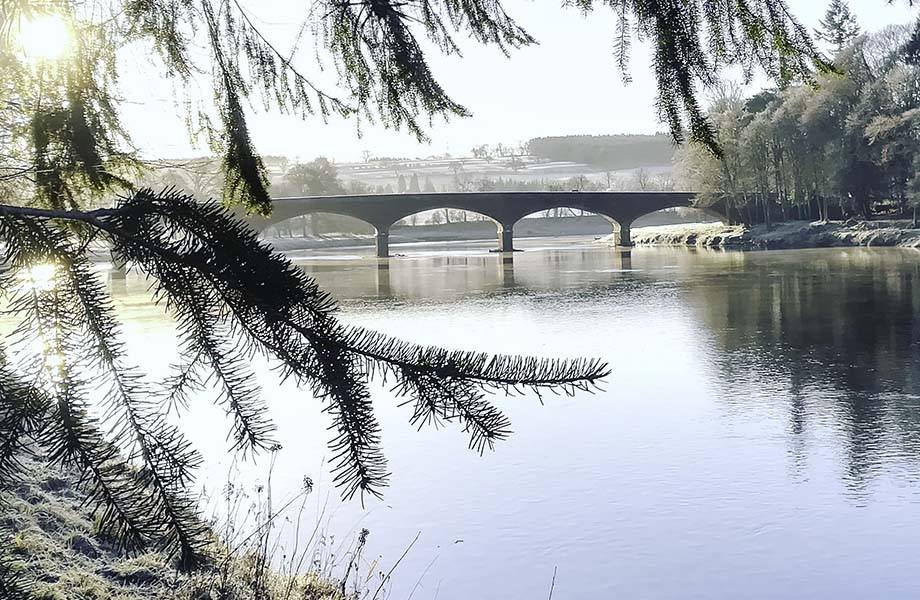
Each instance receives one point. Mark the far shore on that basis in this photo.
(793, 234)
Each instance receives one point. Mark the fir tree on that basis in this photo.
(839, 26)
(413, 184)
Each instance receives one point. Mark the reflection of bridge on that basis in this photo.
(504, 208)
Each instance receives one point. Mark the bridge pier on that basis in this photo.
(624, 238)
(505, 239)
(382, 242)
(119, 270)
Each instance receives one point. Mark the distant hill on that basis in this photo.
(612, 152)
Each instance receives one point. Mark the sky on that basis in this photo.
(568, 84)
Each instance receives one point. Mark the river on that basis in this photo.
(758, 437)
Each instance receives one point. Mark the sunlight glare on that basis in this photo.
(41, 277)
(45, 37)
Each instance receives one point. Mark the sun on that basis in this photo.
(41, 277)
(45, 37)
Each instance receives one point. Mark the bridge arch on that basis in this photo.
(714, 212)
(447, 206)
(438, 210)
(320, 221)
(678, 215)
(616, 226)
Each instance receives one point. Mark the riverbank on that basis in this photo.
(795, 234)
(51, 546)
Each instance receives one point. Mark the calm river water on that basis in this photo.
(759, 436)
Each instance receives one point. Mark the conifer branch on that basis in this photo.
(79, 337)
(223, 284)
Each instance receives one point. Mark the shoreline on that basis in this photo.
(787, 235)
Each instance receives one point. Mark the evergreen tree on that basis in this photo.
(318, 177)
(413, 184)
(839, 26)
(401, 186)
(429, 187)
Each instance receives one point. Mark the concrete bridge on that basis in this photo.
(504, 208)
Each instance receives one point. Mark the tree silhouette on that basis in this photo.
(839, 26)
(318, 177)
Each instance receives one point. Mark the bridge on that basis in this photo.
(504, 208)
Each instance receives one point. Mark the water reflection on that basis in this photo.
(831, 336)
(383, 278)
(839, 332)
(117, 282)
(625, 257)
(758, 403)
(507, 270)
(441, 277)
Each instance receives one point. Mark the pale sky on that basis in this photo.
(567, 85)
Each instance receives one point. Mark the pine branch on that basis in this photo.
(256, 50)
(446, 400)
(361, 466)
(77, 332)
(184, 381)
(78, 292)
(22, 408)
(223, 284)
(491, 371)
(71, 439)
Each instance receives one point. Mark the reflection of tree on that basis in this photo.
(833, 335)
(841, 331)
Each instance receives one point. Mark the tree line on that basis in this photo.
(846, 146)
